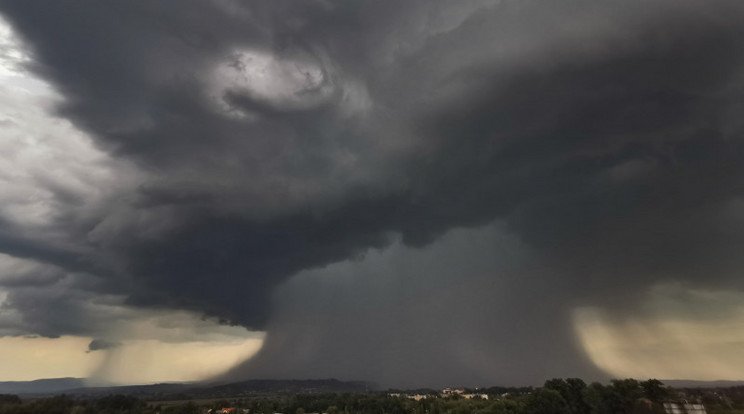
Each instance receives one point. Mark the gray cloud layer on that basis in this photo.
(100, 344)
(276, 137)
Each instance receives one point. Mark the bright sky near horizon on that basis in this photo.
(144, 347)
(133, 362)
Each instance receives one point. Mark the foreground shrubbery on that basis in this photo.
(557, 396)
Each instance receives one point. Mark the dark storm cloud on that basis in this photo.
(605, 135)
(101, 344)
(461, 312)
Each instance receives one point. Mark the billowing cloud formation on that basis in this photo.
(242, 143)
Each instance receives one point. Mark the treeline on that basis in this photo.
(556, 396)
(62, 404)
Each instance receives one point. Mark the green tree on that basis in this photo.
(572, 391)
(654, 390)
(546, 401)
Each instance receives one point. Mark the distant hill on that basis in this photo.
(702, 384)
(183, 391)
(258, 387)
(187, 391)
(141, 391)
(41, 386)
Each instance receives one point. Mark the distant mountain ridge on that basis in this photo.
(702, 384)
(252, 387)
(41, 386)
(177, 391)
(184, 391)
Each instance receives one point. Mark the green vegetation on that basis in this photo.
(556, 396)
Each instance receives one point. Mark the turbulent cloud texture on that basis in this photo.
(248, 155)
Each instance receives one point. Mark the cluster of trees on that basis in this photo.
(573, 396)
(62, 404)
(556, 396)
(560, 396)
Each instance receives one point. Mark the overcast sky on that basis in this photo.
(417, 193)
